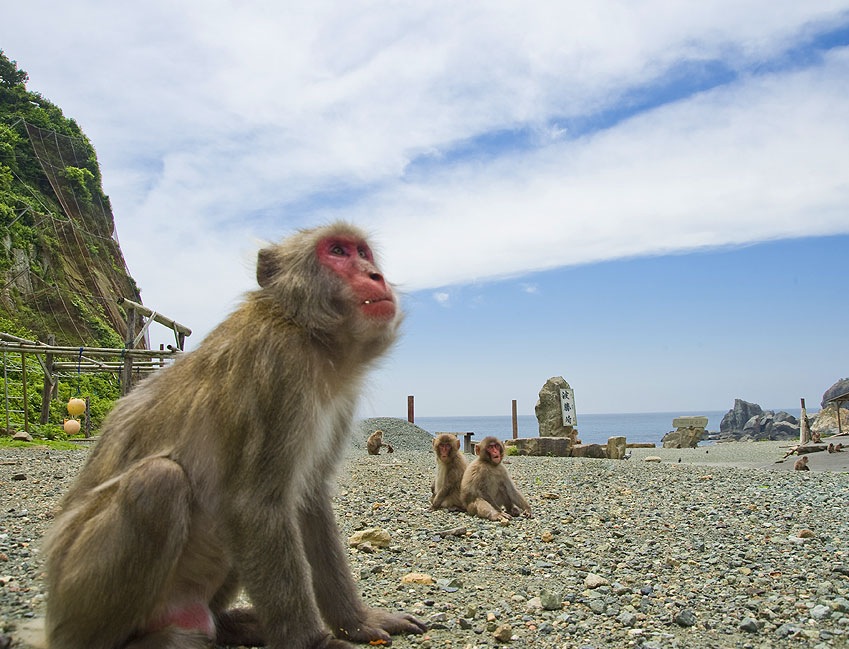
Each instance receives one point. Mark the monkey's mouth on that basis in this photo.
(379, 307)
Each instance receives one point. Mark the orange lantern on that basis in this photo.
(76, 406)
(71, 426)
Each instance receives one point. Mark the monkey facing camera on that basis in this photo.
(187, 499)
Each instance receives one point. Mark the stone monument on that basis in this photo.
(550, 408)
(687, 434)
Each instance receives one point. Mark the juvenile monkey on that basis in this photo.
(375, 441)
(450, 466)
(487, 490)
(188, 496)
(801, 464)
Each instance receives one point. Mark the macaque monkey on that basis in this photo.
(375, 441)
(215, 474)
(487, 490)
(450, 466)
(801, 464)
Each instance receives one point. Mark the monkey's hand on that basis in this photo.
(379, 624)
(518, 511)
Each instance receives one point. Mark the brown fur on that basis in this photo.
(801, 464)
(375, 441)
(450, 466)
(487, 490)
(215, 474)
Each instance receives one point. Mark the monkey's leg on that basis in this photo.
(172, 639)
(110, 558)
(483, 509)
(239, 627)
(335, 590)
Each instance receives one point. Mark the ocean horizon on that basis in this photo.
(638, 427)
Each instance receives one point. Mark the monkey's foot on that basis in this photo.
(379, 624)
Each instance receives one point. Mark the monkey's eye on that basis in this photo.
(337, 249)
(362, 253)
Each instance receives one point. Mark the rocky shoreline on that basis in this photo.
(713, 550)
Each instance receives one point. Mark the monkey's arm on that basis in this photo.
(516, 501)
(347, 615)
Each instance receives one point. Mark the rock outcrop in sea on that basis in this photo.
(748, 422)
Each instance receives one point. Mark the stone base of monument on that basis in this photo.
(565, 447)
(688, 433)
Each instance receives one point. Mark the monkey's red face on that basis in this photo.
(445, 450)
(352, 260)
(493, 449)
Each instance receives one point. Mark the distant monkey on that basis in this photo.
(375, 441)
(450, 466)
(487, 490)
(801, 464)
(831, 447)
(192, 494)
(838, 448)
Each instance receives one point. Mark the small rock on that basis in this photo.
(375, 536)
(749, 625)
(503, 633)
(417, 578)
(685, 618)
(550, 601)
(593, 580)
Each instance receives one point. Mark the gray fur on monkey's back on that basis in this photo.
(236, 443)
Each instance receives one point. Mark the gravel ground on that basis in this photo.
(706, 552)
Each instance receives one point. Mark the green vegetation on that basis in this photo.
(61, 269)
(5, 442)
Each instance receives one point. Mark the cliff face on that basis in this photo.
(61, 266)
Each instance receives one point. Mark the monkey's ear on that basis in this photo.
(266, 267)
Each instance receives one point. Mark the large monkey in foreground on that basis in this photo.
(214, 474)
(450, 467)
(487, 490)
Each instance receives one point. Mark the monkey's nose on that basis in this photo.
(377, 277)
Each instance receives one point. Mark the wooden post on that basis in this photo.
(49, 383)
(129, 339)
(26, 402)
(804, 433)
(515, 422)
(87, 417)
(411, 416)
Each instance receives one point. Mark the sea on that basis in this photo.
(636, 427)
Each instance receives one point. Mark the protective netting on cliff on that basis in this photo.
(85, 229)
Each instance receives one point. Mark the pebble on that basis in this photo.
(673, 560)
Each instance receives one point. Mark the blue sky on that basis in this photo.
(650, 199)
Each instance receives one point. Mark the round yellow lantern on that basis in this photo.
(71, 426)
(76, 406)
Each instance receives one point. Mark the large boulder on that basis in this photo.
(683, 438)
(840, 387)
(770, 426)
(825, 422)
(735, 419)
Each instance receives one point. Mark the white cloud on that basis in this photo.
(442, 298)
(216, 123)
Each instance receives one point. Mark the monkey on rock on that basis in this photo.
(215, 474)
